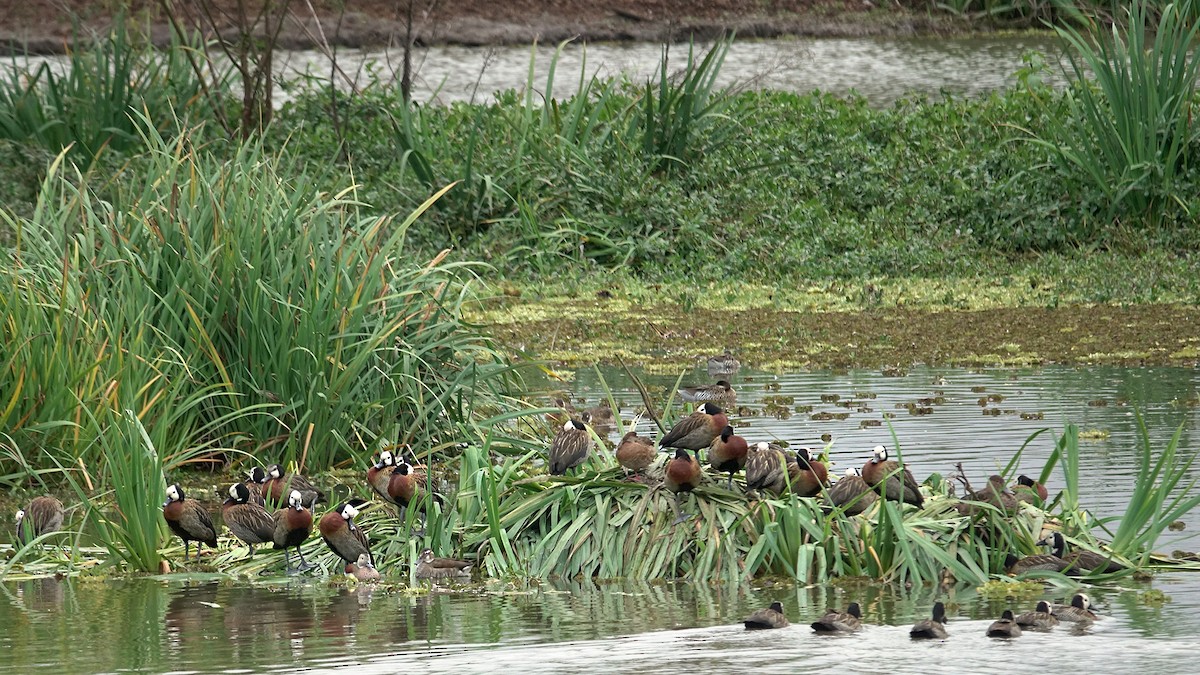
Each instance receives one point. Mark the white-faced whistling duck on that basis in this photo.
(852, 494)
(43, 515)
(430, 567)
(1080, 562)
(696, 431)
(682, 475)
(811, 476)
(727, 453)
(933, 628)
(766, 465)
(362, 569)
(293, 525)
(893, 481)
(247, 521)
(188, 519)
(341, 534)
(1040, 618)
(635, 453)
(770, 617)
(1078, 612)
(1027, 489)
(1004, 627)
(996, 493)
(840, 622)
(721, 391)
(570, 447)
(279, 485)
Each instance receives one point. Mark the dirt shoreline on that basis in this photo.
(35, 29)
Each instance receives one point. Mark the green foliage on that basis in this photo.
(1131, 133)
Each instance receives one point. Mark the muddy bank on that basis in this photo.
(47, 28)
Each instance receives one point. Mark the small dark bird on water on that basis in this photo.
(570, 447)
(727, 453)
(771, 617)
(431, 567)
(1041, 617)
(188, 519)
(635, 453)
(247, 521)
(43, 515)
(341, 534)
(293, 524)
(891, 480)
(1004, 627)
(840, 622)
(696, 431)
(278, 485)
(933, 628)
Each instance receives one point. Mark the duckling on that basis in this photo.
(279, 484)
(765, 467)
(1079, 612)
(188, 520)
(1040, 618)
(362, 569)
(1027, 489)
(293, 524)
(811, 476)
(723, 364)
(933, 628)
(721, 391)
(429, 567)
(852, 494)
(771, 617)
(890, 479)
(570, 447)
(43, 515)
(682, 475)
(996, 493)
(840, 622)
(635, 453)
(1080, 561)
(728, 453)
(247, 521)
(696, 431)
(1005, 627)
(340, 533)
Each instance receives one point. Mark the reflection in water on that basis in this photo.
(643, 627)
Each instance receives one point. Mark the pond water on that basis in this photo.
(979, 418)
(148, 625)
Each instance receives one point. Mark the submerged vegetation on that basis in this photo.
(177, 297)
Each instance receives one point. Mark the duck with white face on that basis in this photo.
(342, 535)
(569, 448)
(293, 525)
(892, 480)
(277, 484)
(43, 515)
(431, 567)
(852, 494)
(247, 520)
(189, 520)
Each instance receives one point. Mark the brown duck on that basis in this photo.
(341, 534)
(696, 431)
(852, 494)
(430, 567)
(721, 391)
(362, 569)
(1040, 617)
(682, 475)
(1004, 627)
(188, 519)
(570, 447)
(1028, 489)
(1030, 563)
(996, 493)
(379, 475)
(1079, 612)
(293, 524)
(1080, 562)
(765, 467)
(277, 485)
(247, 521)
(43, 516)
(771, 617)
(840, 622)
(635, 453)
(811, 476)
(890, 479)
(933, 628)
(727, 453)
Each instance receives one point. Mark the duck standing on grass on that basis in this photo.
(293, 524)
(247, 521)
(635, 453)
(765, 467)
(277, 485)
(188, 520)
(811, 475)
(682, 475)
(43, 515)
(852, 494)
(569, 448)
(728, 453)
(342, 535)
(892, 480)
(698, 430)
